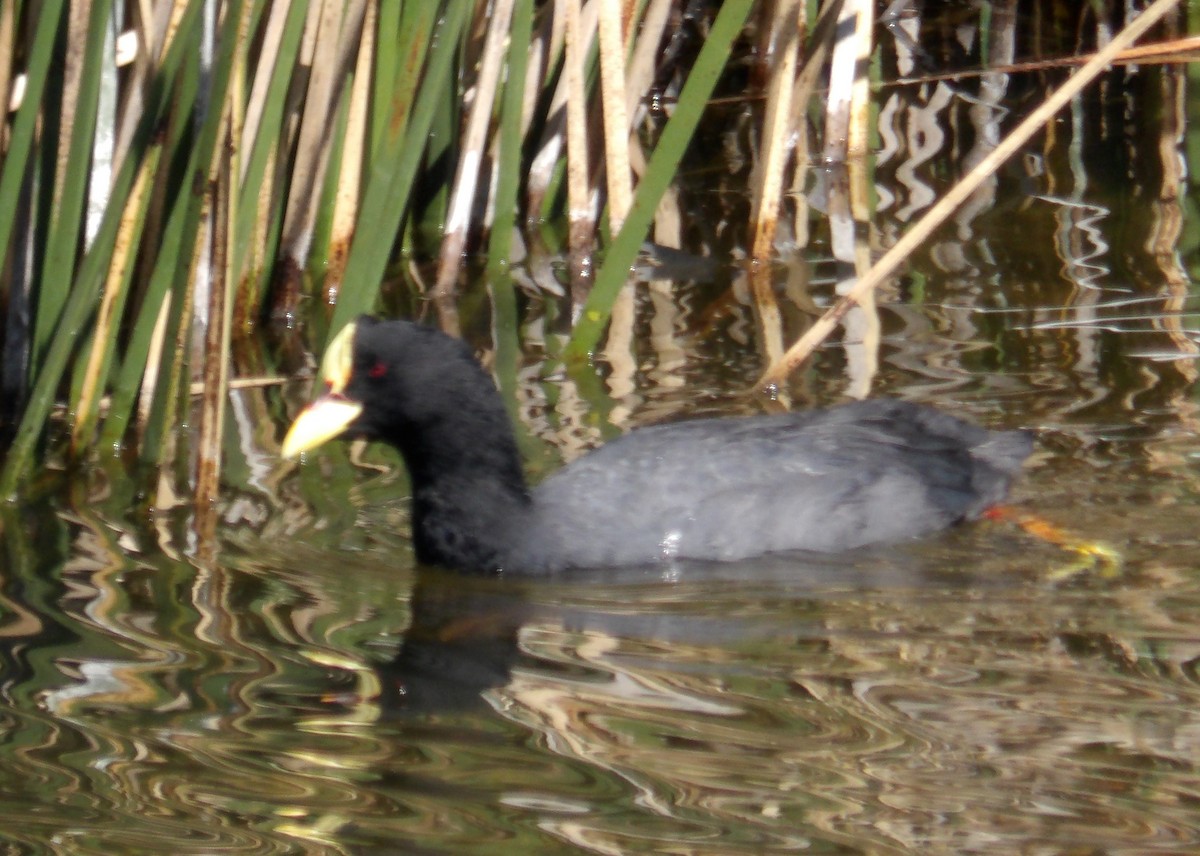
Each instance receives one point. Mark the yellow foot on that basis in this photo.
(1093, 556)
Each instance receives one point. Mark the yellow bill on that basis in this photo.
(329, 415)
(324, 419)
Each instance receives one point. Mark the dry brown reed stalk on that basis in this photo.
(858, 133)
(77, 23)
(581, 223)
(552, 36)
(470, 161)
(613, 98)
(349, 186)
(272, 43)
(767, 182)
(846, 137)
(218, 332)
(782, 46)
(823, 33)
(152, 28)
(149, 386)
(848, 226)
(777, 372)
(336, 39)
(216, 349)
(112, 300)
(642, 62)
(846, 104)
(645, 43)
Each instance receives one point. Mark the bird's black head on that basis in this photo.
(415, 388)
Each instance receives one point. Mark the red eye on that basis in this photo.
(378, 370)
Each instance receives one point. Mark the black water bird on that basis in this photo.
(720, 489)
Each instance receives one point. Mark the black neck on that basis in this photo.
(470, 500)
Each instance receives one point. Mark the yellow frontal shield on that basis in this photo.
(329, 415)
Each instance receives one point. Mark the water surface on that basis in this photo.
(312, 690)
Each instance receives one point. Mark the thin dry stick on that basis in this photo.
(824, 33)
(553, 138)
(1171, 51)
(216, 354)
(936, 215)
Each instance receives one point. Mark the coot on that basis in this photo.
(710, 489)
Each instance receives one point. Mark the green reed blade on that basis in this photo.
(66, 218)
(268, 137)
(508, 164)
(201, 164)
(614, 271)
(81, 302)
(97, 361)
(509, 172)
(389, 51)
(390, 181)
(15, 162)
(166, 263)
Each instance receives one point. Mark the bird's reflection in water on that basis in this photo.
(464, 636)
(463, 640)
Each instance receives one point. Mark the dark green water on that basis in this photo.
(311, 691)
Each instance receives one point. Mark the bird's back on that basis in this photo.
(723, 489)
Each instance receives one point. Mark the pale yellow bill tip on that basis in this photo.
(322, 420)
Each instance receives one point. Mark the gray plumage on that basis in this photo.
(711, 489)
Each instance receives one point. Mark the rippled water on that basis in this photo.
(981, 691)
(312, 691)
(955, 695)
